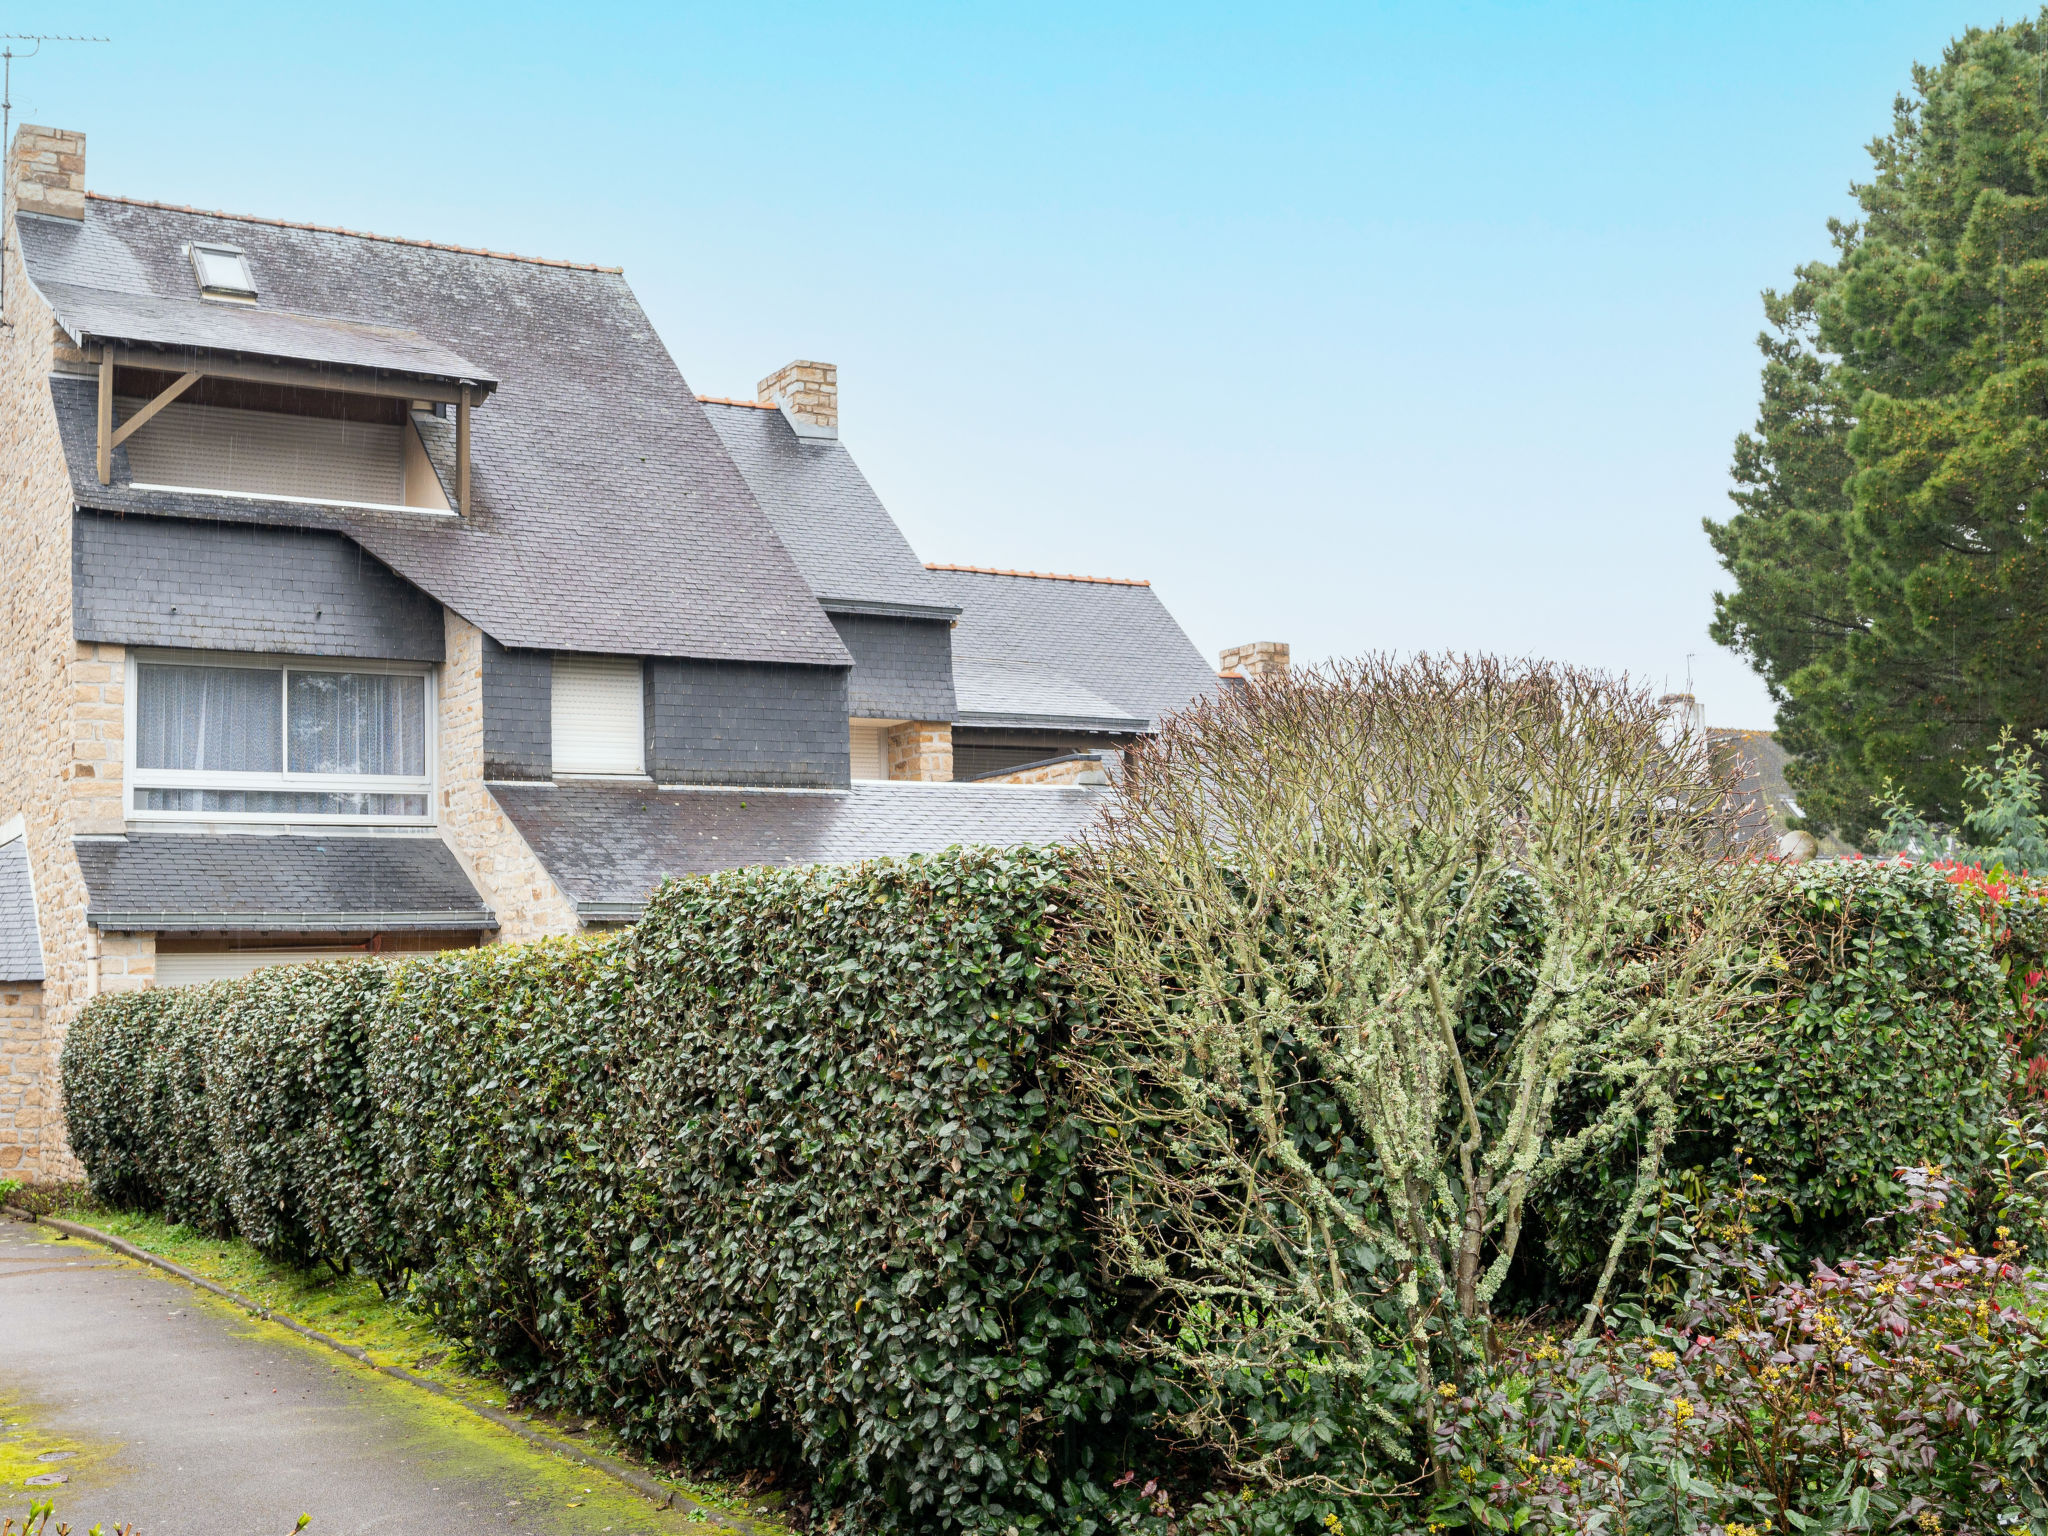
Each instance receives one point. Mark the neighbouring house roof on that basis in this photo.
(1024, 640)
(1758, 759)
(1033, 695)
(171, 882)
(609, 845)
(21, 944)
(606, 515)
(830, 519)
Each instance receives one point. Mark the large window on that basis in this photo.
(278, 741)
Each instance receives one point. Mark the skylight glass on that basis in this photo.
(223, 271)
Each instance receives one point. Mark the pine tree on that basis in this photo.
(1890, 544)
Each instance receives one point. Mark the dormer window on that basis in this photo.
(223, 273)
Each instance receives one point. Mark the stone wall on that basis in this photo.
(49, 166)
(921, 751)
(27, 1083)
(120, 962)
(808, 393)
(1256, 658)
(61, 724)
(496, 858)
(1087, 769)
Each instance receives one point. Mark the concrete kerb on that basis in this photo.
(662, 1495)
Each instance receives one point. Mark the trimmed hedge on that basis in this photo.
(1893, 1047)
(781, 1174)
(784, 1175)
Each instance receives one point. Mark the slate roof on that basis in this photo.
(1034, 695)
(21, 943)
(609, 845)
(606, 514)
(150, 321)
(830, 519)
(1758, 759)
(1038, 635)
(289, 883)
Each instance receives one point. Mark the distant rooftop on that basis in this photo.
(993, 570)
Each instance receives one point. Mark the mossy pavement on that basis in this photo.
(154, 1400)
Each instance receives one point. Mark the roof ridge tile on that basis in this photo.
(993, 570)
(355, 234)
(752, 405)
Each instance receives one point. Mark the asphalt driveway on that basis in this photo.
(165, 1407)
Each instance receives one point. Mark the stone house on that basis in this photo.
(367, 595)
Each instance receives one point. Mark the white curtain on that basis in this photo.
(218, 718)
(358, 722)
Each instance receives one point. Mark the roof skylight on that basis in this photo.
(223, 272)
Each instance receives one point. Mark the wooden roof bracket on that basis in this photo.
(462, 453)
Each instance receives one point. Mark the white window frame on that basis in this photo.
(135, 779)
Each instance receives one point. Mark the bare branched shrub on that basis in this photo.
(1317, 1161)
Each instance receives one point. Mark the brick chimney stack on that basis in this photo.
(46, 171)
(809, 396)
(1257, 659)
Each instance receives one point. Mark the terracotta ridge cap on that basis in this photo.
(993, 570)
(356, 234)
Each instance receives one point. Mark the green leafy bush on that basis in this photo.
(782, 1174)
(1889, 1044)
(136, 1105)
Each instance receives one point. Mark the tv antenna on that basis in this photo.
(7, 58)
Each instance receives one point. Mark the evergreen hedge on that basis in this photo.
(784, 1175)
(1891, 1045)
(781, 1175)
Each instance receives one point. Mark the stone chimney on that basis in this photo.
(1257, 659)
(1685, 713)
(46, 171)
(809, 396)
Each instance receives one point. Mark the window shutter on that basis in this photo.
(598, 720)
(188, 967)
(870, 750)
(264, 453)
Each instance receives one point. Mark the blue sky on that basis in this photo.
(1363, 327)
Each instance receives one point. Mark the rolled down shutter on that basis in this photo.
(265, 453)
(870, 750)
(188, 968)
(598, 716)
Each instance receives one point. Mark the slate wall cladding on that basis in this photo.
(233, 587)
(738, 722)
(902, 668)
(518, 712)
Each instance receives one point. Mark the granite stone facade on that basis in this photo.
(60, 734)
(526, 898)
(921, 752)
(28, 1106)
